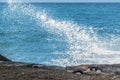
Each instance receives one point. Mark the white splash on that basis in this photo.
(83, 42)
(10, 1)
(14, 1)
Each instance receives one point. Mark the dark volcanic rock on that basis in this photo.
(2, 58)
(25, 71)
(45, 67)
(110, 69)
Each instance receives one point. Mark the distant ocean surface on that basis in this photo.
(60, 33)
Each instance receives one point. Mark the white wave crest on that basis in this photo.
(84, 44)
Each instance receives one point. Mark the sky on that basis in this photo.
(66, 0)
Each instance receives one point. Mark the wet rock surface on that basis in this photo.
(23, 71)
(2, 58)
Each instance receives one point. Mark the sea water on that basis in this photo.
(60, 33)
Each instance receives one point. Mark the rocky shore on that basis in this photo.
(23, 71)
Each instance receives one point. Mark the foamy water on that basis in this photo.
(84, 44)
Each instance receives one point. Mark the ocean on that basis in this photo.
(61, 34)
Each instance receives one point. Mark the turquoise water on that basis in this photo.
(60, 33)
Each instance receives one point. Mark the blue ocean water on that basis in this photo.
(60, 33)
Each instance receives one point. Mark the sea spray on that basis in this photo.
(84, 45)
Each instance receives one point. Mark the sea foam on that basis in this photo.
(84, 45)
